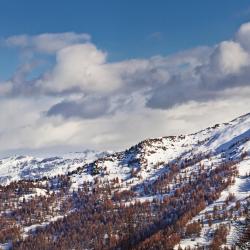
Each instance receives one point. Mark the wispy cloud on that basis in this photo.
(47, 42)
(156, 36)
(243, 13)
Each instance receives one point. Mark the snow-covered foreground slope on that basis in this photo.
(214, 163)
(241, 191)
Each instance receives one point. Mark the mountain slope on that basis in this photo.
(177, 191)
(28, 167)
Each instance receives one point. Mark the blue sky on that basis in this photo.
(126, 29)
(106, 74)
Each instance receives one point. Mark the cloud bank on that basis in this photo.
(85, 100)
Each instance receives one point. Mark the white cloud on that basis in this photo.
(86, 101)
(80, 67)
(47, 42)
(228, 58)
(30, 130)
(243, 36)
(5, 88)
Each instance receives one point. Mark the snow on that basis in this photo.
(6, 246)
(229, 134)
(241, 189)
(159, 151)
(148, 159)
(30, 229)
(35, 192)
(29, 167)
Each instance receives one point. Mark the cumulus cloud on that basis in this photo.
(226, 66)
(80, 67)
(198, 74)
(243, 36)
(229, 58)
(102, 103)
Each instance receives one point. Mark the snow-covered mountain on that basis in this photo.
(21, 167)
(198, 184)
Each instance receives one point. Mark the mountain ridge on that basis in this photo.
(211, 168)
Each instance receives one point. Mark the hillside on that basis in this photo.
(187, 191)
(20, 167)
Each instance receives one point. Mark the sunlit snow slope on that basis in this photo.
(143, 164)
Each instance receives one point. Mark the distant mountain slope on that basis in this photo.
(28, 167)
(163, 193)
